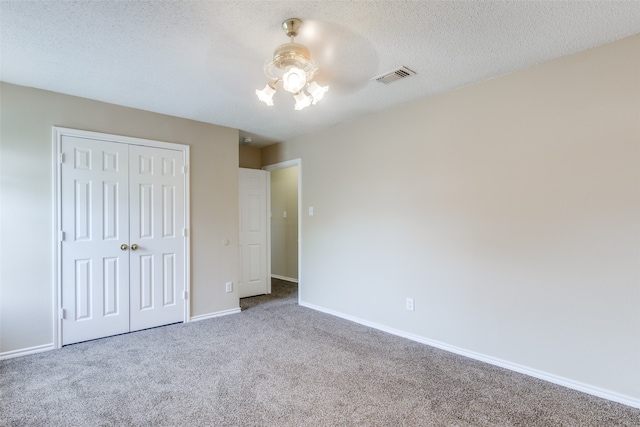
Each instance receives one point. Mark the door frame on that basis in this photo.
(57, 134)
(283, 165)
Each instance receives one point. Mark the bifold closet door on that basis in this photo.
(95, 226)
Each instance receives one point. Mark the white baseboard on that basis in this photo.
(555, 379)
(47, 347)
(25, 351)
(216, 314)
(287, 279)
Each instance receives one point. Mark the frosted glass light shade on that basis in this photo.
(316, 91)
(266, 95)
(294, 80)
(302, 100)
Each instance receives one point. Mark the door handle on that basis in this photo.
(123, 247)
(134, 247)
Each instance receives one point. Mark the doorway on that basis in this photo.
(286, 221)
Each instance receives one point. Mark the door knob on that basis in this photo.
(123, 247)
(134, 247)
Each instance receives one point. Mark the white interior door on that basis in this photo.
(157, 239)
(123, 249)
(95, 223)
(254, 247)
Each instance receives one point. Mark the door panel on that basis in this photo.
(168, 279)
(145, 283)
(254, 273)
(110, 285)
(94, 216)
(110, 213)
(157, 219)
(83, 285)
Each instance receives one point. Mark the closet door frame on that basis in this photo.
(57, 134)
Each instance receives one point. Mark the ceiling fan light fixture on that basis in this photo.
(316, 91)
(302, 100)
(292, 64)
(266, 95)
(294, 80)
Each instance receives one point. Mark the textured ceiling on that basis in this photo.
(203, 60)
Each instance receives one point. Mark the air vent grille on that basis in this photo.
(395, 75)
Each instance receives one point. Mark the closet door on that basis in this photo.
(157, 199)
(94, 209)
(123, 250)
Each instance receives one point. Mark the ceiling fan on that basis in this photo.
(293, 66)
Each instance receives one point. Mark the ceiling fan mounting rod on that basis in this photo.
(291, 27)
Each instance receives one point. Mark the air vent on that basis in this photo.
(395, 75)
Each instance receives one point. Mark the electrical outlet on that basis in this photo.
(410, 305)
(229, 286)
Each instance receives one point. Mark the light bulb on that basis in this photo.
(294, 80)
(316, 91)
(266, 95)
(302, 100)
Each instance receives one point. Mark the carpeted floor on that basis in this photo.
(279, 364)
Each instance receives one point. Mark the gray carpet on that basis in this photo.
(278, 364)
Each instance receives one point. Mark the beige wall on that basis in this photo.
(284, 231)
(510, 211)
(250, 157)
(26, 248)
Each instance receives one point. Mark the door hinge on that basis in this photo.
(62, 314)
(185, 295)
(61, 157)
(61, 236)
(185, 232)
(185, 169)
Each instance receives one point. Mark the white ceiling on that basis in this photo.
(203, 60)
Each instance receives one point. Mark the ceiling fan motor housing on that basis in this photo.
(291, 54)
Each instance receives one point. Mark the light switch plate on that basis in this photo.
(310, 210)
(410, 304)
